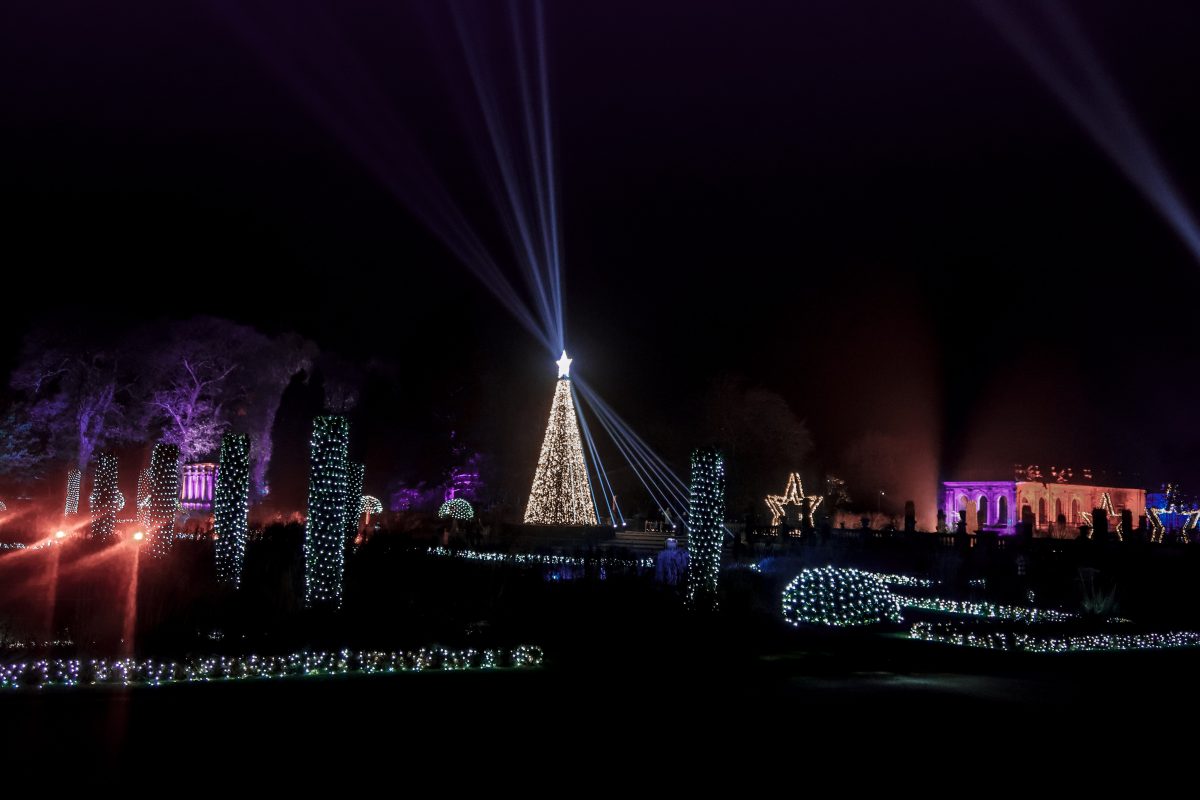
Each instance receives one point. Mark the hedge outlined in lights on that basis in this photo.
(59, 672)
(949, 633)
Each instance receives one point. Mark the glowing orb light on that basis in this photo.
(60, 534)
(137, 537)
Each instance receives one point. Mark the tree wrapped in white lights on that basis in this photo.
(706, 527)
(328, 496)
(105, 499)
(231, 507)
(164, 498)
(839, 597)
(143, 499)
(74, 482)
(562, 491)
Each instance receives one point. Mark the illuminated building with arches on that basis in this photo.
(1056, 508)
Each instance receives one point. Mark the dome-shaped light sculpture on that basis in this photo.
(457, 508)
(838, 596)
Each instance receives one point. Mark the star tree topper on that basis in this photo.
(793, 495)
(564, 365)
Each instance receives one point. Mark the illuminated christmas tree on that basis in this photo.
(105, 498)
(706, 527)
(164, 498)
(562, 492)
(231, 507)
(328, 496)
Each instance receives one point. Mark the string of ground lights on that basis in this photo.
(950, 633)
(58, 673)
(847, 597)
(515, 151)
(539, 560)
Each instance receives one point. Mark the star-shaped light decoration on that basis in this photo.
(564, 365)
(793, 495)
(1172, 506)
(1110, 511)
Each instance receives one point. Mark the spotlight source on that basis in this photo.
(137, 537)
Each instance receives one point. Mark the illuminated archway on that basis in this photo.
(1002, 511)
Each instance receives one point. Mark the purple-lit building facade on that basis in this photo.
(196, 486)
(1056, 508)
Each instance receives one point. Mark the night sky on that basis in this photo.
(875, 209)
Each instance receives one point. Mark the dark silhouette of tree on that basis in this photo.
(761, 436)
(22, 450)
(341, 381)
(276, 362)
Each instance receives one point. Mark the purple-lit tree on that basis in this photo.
(209, 371)
(181, 381)
(190, 405)
(77, 397)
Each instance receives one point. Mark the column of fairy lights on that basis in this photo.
(324, 551)
(143, 498)
(231, 507)
(74, 482)
(706, 527)
(104, 499)
(164, 498)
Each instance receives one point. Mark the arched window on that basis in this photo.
(1058, 508)
(1075, 518)
(983, 510)
(1002, 510)
(1041, 518)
